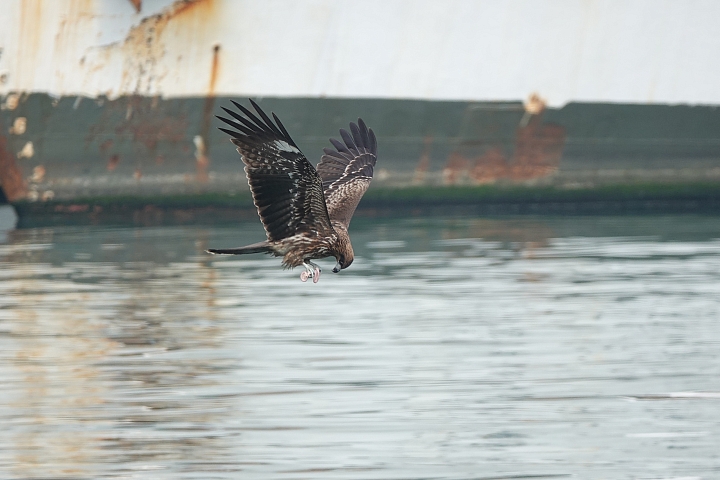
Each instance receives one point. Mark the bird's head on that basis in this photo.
(343, 261)
(342, 250)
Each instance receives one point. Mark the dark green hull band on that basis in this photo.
(486, 200)
(118, 157)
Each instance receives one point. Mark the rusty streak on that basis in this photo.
(203, 160)
(137, 4)
(214, 69)
(11, 177)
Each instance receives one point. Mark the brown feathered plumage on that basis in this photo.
(305, 212)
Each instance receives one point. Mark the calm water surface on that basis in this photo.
(453, 348)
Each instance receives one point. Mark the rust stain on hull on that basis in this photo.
(203, 159)
(113, 162)
(537, 153)
(145, 47)
(137, 4)
(139, 119)
(11, 177)
(214, 70)
(538, 150)
(31, 13)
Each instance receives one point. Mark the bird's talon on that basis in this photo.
(316, 275)
(304, 276)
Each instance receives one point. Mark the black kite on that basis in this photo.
(305, 211)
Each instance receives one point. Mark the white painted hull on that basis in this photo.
(618, 51)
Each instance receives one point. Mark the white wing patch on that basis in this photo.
(283, 146)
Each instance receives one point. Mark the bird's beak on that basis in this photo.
(337, 268)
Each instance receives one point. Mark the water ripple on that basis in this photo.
(454, 348)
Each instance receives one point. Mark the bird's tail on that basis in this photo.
(260, 247)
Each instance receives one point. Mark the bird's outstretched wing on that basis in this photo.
(286, 188)
(347, 170)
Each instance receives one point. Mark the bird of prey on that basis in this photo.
(305, 211)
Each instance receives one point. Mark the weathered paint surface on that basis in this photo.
(139, 145)
(639, 51)
(118, 98)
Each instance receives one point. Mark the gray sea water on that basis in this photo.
(455, 347)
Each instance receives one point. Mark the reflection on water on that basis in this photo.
(453, 348)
